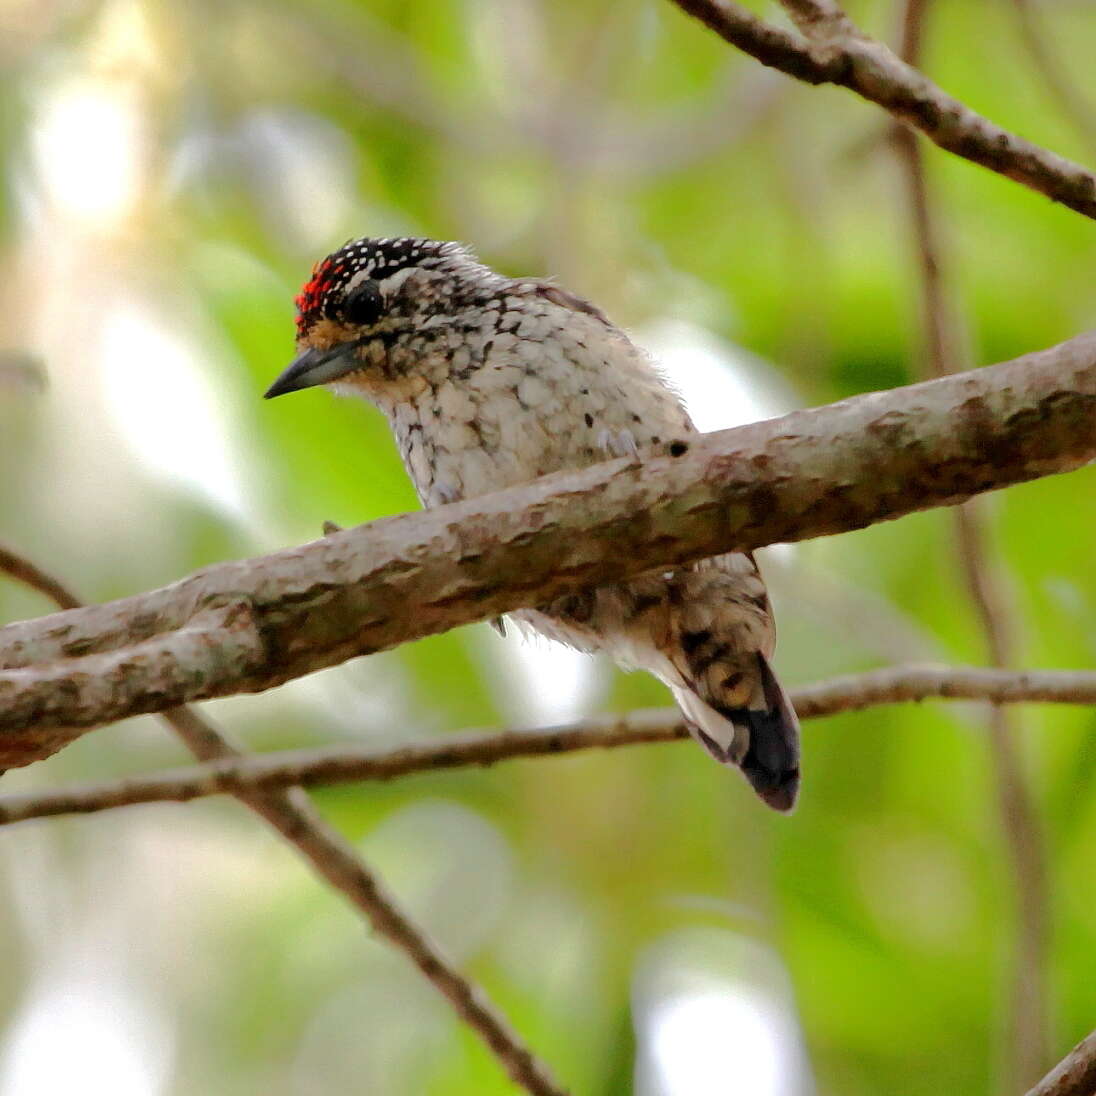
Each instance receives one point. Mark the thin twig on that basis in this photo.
(911, 31)
(344, 764)
(1074, 1075)
(872, 71)
(22, 570)
(292, 814)
(1024, 1044)
(943, 350)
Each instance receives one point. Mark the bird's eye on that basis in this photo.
(364, 304)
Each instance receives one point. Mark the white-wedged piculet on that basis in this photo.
(489, 382)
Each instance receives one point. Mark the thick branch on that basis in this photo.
(1074, 1075)
(345, 764)
(840, 54)
(811, 473)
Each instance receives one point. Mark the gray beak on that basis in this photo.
(314, 367)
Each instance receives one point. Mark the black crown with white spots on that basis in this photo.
(366, 259)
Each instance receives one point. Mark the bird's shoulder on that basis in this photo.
(564, 298)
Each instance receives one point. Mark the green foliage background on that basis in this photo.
(621, 148)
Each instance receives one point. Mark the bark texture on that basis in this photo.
(249, 625)
(1075, 1075)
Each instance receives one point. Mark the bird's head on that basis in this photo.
(363, 299)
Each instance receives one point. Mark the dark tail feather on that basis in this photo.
(771, 763)
(761, 737)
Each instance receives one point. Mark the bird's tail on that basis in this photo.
(760, 736)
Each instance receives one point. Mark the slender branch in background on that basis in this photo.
(344, 764)
(1024, 1045)
(1074, 1075)
(248, 625)
(911, 30)
(848, 58)
(23, 571)
(1071, 99)
(292, 814)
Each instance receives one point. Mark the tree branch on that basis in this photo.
(29, 574)
(807, 474)
(820, 20)
(844, 56)
(345, 764)
(1024, 1044)
(1075, 1075)
(291, 813)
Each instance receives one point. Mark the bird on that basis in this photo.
(488, 382)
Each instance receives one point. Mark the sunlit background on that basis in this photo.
(170, 172)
